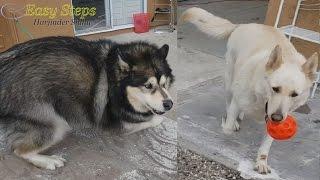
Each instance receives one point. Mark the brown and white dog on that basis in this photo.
(264, 71)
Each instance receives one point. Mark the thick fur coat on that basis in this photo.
(53, 84)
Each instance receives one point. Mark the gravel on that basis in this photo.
(192, 166)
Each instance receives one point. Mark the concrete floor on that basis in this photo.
(149, 154)
(201, 104)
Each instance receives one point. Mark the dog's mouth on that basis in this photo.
(266, 111)
(154, 111)
(268, 117)
(157, 112)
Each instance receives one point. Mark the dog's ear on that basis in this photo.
(275, 59)
(122, 64)
(164, 51)
(310, 66)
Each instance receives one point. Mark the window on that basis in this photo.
(110, 15)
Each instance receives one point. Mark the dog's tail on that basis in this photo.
(208, 23)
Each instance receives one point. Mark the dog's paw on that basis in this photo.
(227, 131)
(229, 128)
(262, 167)
(130, 128)
(241, 116)
(236, 126)
(156, 121)
(1, 157)
(53, 162)
(46, 162)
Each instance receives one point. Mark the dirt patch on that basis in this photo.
(193, 166)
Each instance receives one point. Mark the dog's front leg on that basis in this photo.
(130, 128)
(261, 162)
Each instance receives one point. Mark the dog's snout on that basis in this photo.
(276, 117)
(167, 104)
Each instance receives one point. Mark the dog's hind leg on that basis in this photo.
(35, 131)
(230, 60)
(230, 123)
(261, 162)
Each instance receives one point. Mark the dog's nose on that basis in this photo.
(276, 117)
(167, 104)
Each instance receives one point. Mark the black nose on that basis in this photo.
(167, 104)
(276, 117)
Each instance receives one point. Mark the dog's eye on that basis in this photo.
(276, 89)
(148, 86)
(294, 94)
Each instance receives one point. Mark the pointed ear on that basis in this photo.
(275, 59)
(310, 66)
(164, 51)
(123, 65)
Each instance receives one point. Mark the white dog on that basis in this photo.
(265, 75)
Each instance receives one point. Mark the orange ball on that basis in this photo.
(283, 130)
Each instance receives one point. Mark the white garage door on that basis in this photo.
(122, 11)
(110, 15)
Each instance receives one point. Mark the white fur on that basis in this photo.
(45, 162)
(123, 65)
(248, 82)
(261, 163)
(46, 114)
(144, 100)
(135, 127)
(163, 80)
(167, 93)
(134, 96)
(208, 23)
(101, 96)
(250, 85)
